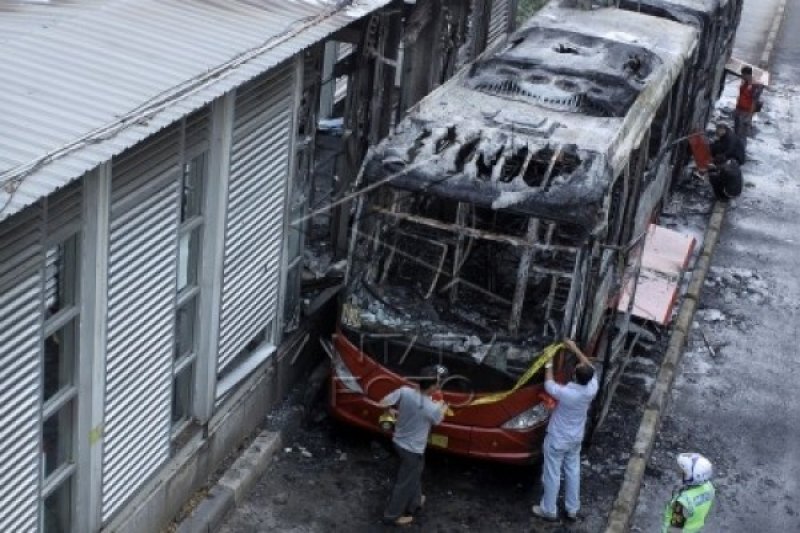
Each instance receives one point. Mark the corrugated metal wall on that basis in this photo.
(198, 132)
(64, 212)
(141, 303)
(256, 203)
(20, 335)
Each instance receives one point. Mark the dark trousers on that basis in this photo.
(726, 180)
(718, 184)
(742, 125)
(407, 492)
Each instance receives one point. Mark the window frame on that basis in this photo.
(191, 225)
(63, 475)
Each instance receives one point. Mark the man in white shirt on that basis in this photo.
(562, 445)
(416, 413)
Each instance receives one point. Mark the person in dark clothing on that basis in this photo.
(725, 178)
(727, 145)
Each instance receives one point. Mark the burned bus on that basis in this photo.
(716, 22)
(506, 212)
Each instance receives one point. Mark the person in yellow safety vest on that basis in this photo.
(690, 504)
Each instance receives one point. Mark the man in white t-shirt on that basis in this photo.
(562, 445)
(416, 413)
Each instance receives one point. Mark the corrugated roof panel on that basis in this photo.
(72, 69)
(18, 18)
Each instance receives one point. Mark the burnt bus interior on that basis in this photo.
(478, 291)
(451, 278)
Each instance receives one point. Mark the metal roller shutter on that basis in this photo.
(141, 301)
(498, 23)
(64, 212)
(20, 334)
(256, 204)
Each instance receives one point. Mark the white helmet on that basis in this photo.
(696, 469)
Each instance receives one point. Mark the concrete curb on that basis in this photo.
(232, 488)
(237, 481)
(772, 37)
(619, 520)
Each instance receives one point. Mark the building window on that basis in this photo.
(255, 352)
(60, 274)
(192, 187)
(185, 319)
(59, 390)
(57, 432)
(59, 360)
(189, 252)
(58, 510)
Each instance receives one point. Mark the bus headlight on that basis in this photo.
(343, 374)
(527, 419)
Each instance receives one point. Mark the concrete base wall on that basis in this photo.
(159, 501)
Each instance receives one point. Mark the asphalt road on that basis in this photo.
(741, 405)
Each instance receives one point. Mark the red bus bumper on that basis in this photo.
(473, 431)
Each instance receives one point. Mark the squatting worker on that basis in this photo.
(691, 502)
(725, 177)
(562, 445)
(727, 145)
(416, 413)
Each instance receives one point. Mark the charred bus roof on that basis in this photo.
(543, 125)
(567, 71)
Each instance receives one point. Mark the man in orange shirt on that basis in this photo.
(748, 103)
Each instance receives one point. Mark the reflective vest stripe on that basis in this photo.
(696, 502)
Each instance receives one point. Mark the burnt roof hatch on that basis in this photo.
(567, 71)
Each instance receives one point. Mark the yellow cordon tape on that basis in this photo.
(546, 355)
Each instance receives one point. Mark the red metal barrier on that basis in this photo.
(700, 151)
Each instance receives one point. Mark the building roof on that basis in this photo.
(82, 80)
